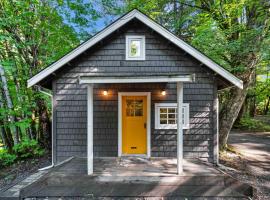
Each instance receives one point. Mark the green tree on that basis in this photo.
(233, 33)
(33, 34)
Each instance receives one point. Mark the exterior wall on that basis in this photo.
(107, 58)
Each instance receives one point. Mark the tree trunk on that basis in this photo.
(44, 125)
(7, 139)
(267, 106)
(5, 133)
(29, 133)
(33, 129)
(241, 112)
(229, 113)
(9, 103)
(252, 106)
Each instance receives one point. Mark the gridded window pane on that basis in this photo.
(129, 112)
(129, 108)
(167, 116)
(163, 116)
(172, 116)
(138, 107)
(138, 104)
(163, 121)
(172, 122)
(135, 48)
(163, 110)
(171, 110)
(134, 107)
(138, 112)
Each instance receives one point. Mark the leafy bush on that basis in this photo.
(6, 158)
(28, 149)
(251, 124)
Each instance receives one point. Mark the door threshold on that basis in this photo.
(135, 155)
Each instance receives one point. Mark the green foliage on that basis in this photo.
(24, 150)
(6, 158)
(251, 124)
(33, 34)
(28, 149)
(262, 93)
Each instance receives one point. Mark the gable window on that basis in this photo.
(135, 47)
(166, 116)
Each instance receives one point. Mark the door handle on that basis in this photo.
(144, 125)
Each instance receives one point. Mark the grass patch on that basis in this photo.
(251, 124)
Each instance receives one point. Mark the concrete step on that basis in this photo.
(163, 180)
(188, 186)
(134, 190)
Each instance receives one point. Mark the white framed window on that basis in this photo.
(166, 116)
(135, 47)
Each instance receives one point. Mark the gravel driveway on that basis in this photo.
(255, 148)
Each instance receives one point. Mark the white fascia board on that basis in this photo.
(150, 23)
(150, 79)
(80, 49)
(189, 49)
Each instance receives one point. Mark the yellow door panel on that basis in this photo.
(134, 117)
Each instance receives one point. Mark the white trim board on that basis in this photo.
(148, 128)
(150, 23)
(90, 129)
(146, 79)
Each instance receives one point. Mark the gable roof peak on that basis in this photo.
(148, 22)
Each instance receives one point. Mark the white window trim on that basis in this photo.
(170, 126)
(139, 37)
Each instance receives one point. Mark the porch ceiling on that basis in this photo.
(136, 78)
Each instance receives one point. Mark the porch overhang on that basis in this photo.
(179, 79)
(137, 78)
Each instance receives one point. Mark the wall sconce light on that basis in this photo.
(105, 92)
(163, 93)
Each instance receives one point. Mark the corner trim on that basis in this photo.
(54, 141)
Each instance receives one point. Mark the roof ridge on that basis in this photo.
(135, 13)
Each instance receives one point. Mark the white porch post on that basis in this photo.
(179, 127)
(90, 129)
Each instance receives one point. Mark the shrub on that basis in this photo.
(28, 149)
(251, 124)
(6, 158)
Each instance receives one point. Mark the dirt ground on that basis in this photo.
(17, 172)
(249, 160)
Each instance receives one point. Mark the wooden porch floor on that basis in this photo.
(136, 166)
(136, 178)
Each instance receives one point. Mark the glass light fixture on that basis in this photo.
(163, 93)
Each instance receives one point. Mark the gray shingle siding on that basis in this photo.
(70, 98)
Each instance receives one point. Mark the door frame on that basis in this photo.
(148, 127)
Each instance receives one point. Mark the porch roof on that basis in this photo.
(137, 78)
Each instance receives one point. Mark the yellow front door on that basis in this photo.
(134, 118)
